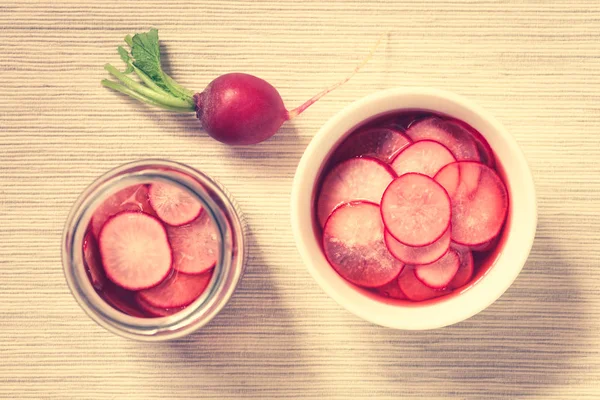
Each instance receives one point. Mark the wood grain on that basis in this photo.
(534, 64)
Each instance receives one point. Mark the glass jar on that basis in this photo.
(218, 205)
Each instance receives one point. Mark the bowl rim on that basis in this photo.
(522, 202)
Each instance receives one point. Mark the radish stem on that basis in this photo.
(177, 87)
(132, 93)
(170, 101)
(148, 81)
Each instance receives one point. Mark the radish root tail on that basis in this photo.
(298, 110)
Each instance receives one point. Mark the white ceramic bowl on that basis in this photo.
(521, 223)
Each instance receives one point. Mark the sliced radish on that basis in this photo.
(353, 243)
(465, 270)
(414, 289)
(133, 198)
(121, 300)
(155, 311)
(456, 138)
(418, 255)
(415, 210)
(195, 246)
(405, 120)
(440, 273)
(449, 178)
(486, 154)
(177, 291)
(363, 178)
(487, 246)
(93, 262)
(173, 205)
(390, 123)
(425, 157)
(381, 143)
(477, 214)
(135, 250)
(455, 177)
(391, 290)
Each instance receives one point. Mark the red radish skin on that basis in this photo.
(391, 290)
(362, 178)
(425, 157)
(414, 289)
(415, 210)
(235, 108)
(135, 250)
(173, 205)
(465, 270)
(381, 143)
(132, 198)
(458, 140)
(195, 246)
(418, 255)
(93, 261)
(240, 109)
(152, 311)
(477, 215)
(178, 291)
(440, 273)
(354, 246)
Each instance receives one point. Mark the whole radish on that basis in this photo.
(239, 108)
(235, 108)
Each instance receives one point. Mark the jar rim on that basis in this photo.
(228, 269)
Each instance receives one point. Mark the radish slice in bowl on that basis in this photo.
(415, 210)
(391, 290)
(362, 178)
(382, 143)
(465, 269)
(457, 139)
(478, 211)
(414, 289)
(438, 274)
(425, 157)
(354, 245)
(418, 255)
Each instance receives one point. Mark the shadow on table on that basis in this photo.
(247, 345)
(520, 346)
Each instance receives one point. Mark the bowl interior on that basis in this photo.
(510, 254)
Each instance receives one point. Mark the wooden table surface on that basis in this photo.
(534, 64)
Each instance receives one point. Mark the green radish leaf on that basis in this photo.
(126, 59)
(146, 54)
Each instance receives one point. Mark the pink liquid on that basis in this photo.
(483, 260)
